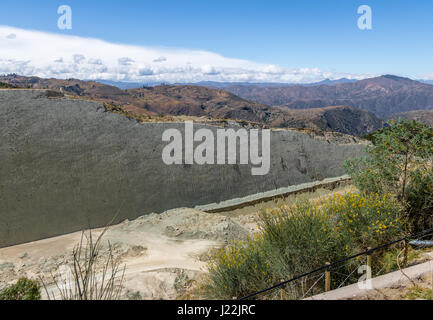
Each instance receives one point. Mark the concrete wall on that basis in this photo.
(67, 164)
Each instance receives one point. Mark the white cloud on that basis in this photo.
(209, 70)
(35, 53)
(78, 58)
(125, 61)
(145, 72)
(428, 76)
(95, 61)
(160, 59)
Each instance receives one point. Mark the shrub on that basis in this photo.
(4, 85)
(419, 199)
(295, 240)
(363, 221)
(400, 162)
(389, 260)
(239, 268)
(302, 238)
(24, 289)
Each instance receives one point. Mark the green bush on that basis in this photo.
(24, 289)
(419, 200)
(302, 238)
(238, 269)
(400, 162)
(388, 261)
(4, 85)
(295, 240)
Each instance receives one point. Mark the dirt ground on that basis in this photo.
(419, 289)
(161, 252)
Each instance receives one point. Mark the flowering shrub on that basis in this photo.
(294, 240)
(365, 221)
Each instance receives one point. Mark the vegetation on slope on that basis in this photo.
(24, 289)
(400, 162)
(423, 116)
(298, 239)
(4, 85)
(395, 197)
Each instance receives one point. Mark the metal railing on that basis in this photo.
(309, 281)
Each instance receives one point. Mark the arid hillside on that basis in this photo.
(384, 96)
(199, 101)
(342, 119)
(423, 116)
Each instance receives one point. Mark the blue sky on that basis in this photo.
(291, 34)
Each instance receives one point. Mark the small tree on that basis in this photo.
(400, 162)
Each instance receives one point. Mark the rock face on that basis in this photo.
(69, 164)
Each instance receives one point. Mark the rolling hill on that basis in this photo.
(423, 116)
(342, 119)
(384, 96)
(200, 101)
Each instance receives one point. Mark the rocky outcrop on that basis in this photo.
(68, 164)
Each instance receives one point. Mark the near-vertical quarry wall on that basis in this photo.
(67, 164)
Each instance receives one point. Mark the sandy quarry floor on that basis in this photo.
(162, 253)
(158, 251)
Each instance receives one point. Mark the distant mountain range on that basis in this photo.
(384, 96)
(127, 85)
(222, 85)
(344, 106)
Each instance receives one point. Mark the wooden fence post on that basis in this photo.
(328, 278)
(282, 294)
